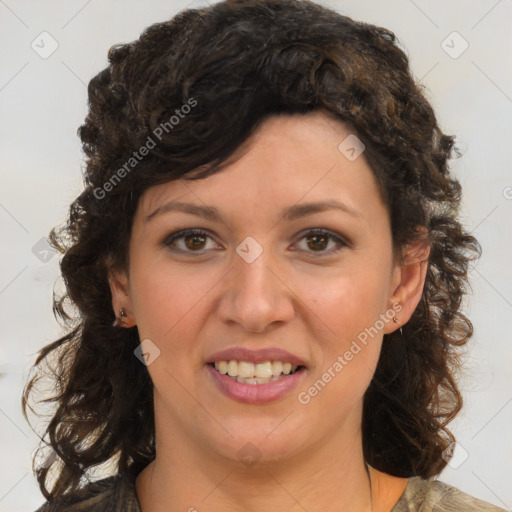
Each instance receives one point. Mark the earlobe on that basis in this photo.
(411, 275)
(121, 301)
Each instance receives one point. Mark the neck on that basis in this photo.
(254, 490)
(183, 478)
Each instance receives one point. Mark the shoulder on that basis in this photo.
(421, 495)
(112, 494)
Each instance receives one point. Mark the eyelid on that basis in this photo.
(181, 233)
(331, 235)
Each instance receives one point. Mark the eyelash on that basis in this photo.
(312, 232)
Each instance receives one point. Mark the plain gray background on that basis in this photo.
(460, 50)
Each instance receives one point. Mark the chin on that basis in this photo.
(268, 441)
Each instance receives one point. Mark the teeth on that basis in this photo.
(251, 373)
(263, 370)
(255, 380)
(233, 368)
(245, 369)
(222, 366)
(277, 368)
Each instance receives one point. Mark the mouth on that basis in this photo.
(247, 372)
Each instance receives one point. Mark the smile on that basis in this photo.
(255, 373)
(255, 390)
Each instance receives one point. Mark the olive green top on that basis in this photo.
(117, 494)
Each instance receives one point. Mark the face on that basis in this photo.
(285, 256)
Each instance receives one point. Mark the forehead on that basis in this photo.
(288, 160)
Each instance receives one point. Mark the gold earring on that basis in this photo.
(395, 319)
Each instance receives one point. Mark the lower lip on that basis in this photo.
(255, 393)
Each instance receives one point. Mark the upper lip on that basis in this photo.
(255, 356)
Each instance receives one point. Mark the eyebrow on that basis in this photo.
(289, 213)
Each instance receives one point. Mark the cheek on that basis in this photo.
(167, 299)
(345, 312)
(154, 300)
(349, 301)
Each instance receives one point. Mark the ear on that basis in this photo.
(121, 299)
(408, 282)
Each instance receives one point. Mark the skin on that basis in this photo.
(313, 303)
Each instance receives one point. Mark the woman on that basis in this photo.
(268, 270)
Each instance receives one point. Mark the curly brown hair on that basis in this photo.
(242, 61)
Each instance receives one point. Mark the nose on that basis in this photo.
(256, 295)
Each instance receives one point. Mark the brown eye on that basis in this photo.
(188, 241)
(194, 241)
(319, 240)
